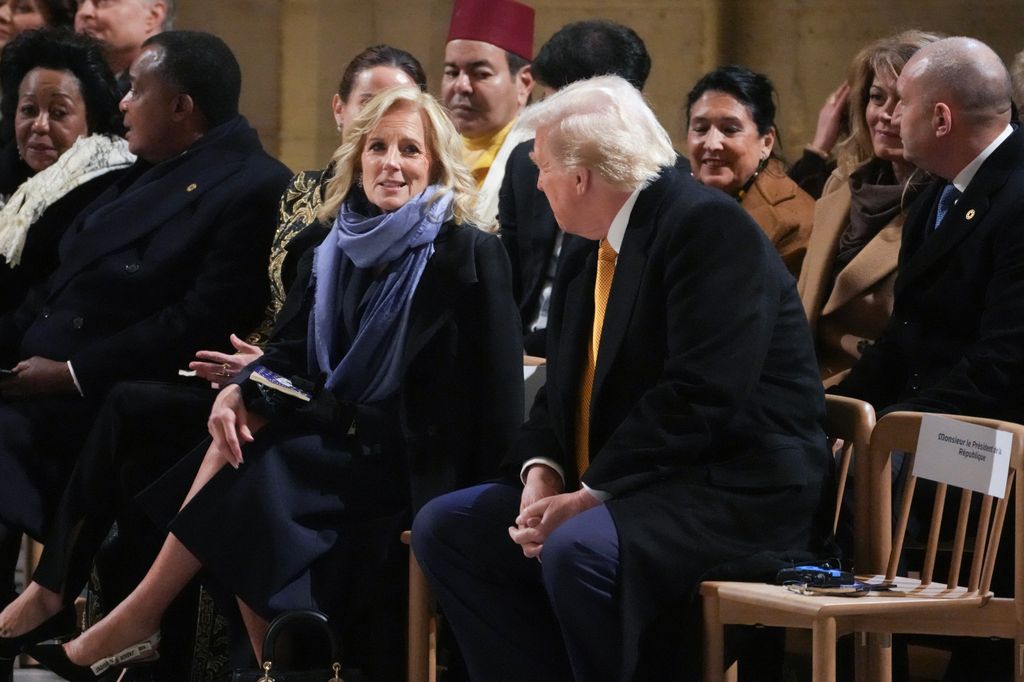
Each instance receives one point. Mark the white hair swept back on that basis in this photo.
(603, 124)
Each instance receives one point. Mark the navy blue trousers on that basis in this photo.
(518, 618)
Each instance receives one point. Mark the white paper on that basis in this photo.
(965, 455)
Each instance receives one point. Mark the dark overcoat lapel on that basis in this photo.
(567, 341)
(629, 270)
(448, 273)
(927, 250)
(161, 195)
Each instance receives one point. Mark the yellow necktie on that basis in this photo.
(602, 286)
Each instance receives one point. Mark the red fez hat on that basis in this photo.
(504, 23)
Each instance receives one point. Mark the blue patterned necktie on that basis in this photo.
(949, 195)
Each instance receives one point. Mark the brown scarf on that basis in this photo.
(876, 199)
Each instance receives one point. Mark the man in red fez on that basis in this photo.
(487, 82)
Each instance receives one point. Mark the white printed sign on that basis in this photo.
(966, 455)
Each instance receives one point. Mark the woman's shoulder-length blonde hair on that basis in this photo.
(887, 57)
(443, 145)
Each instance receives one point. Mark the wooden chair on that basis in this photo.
(919, 606)
(851, 421)
(421, 664)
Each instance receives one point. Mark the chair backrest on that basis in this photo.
(898, 432)
(851, 421)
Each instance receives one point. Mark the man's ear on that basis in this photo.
(942, 119)
(584, 179)
(155, 16)
(524, 85)
(183, 106)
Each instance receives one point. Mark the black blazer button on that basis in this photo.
(131, 268)
(45, 312)
(78, 322)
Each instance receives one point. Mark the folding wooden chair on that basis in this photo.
(918, 606)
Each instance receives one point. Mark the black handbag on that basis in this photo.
(308, 626)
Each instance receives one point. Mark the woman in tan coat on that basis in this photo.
(730, 122)
(847, 278)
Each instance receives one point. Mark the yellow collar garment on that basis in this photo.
(478, 152)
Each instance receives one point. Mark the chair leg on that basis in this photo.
(879, 654)
(421, 661)
(861, 657)
(823, 655)
(714, 640)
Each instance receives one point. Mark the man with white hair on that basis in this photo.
(123, 26)
(679, 422)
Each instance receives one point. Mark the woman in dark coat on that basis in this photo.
(409, 333)
(145, 427)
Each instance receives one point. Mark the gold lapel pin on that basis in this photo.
(970, 214)
(191, 187)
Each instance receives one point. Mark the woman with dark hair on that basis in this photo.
(144, 428)
(731, 136)
(846, 283)
(30, 14)
(60, 116)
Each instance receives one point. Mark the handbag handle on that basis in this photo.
(290, 619)
(335, 668)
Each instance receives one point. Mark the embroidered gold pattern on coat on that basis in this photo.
(297, 210)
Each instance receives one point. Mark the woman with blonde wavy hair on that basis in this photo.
(406, 346)
(848, 274)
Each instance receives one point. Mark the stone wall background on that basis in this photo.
(292, 51)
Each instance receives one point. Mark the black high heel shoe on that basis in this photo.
(56, 660)
(60, 625)
(54, 657)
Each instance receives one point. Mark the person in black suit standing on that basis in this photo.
(955, 342)
(170, 258)
(678, 425)
(575, 52)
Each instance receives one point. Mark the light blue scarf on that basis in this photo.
(368, 369)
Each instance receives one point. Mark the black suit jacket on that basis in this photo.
(461, 400)
(706, 400)
(170, 259)
(955, 343)
(529, 233)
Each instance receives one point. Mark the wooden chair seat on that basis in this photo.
(737, 599)
(915, 606)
